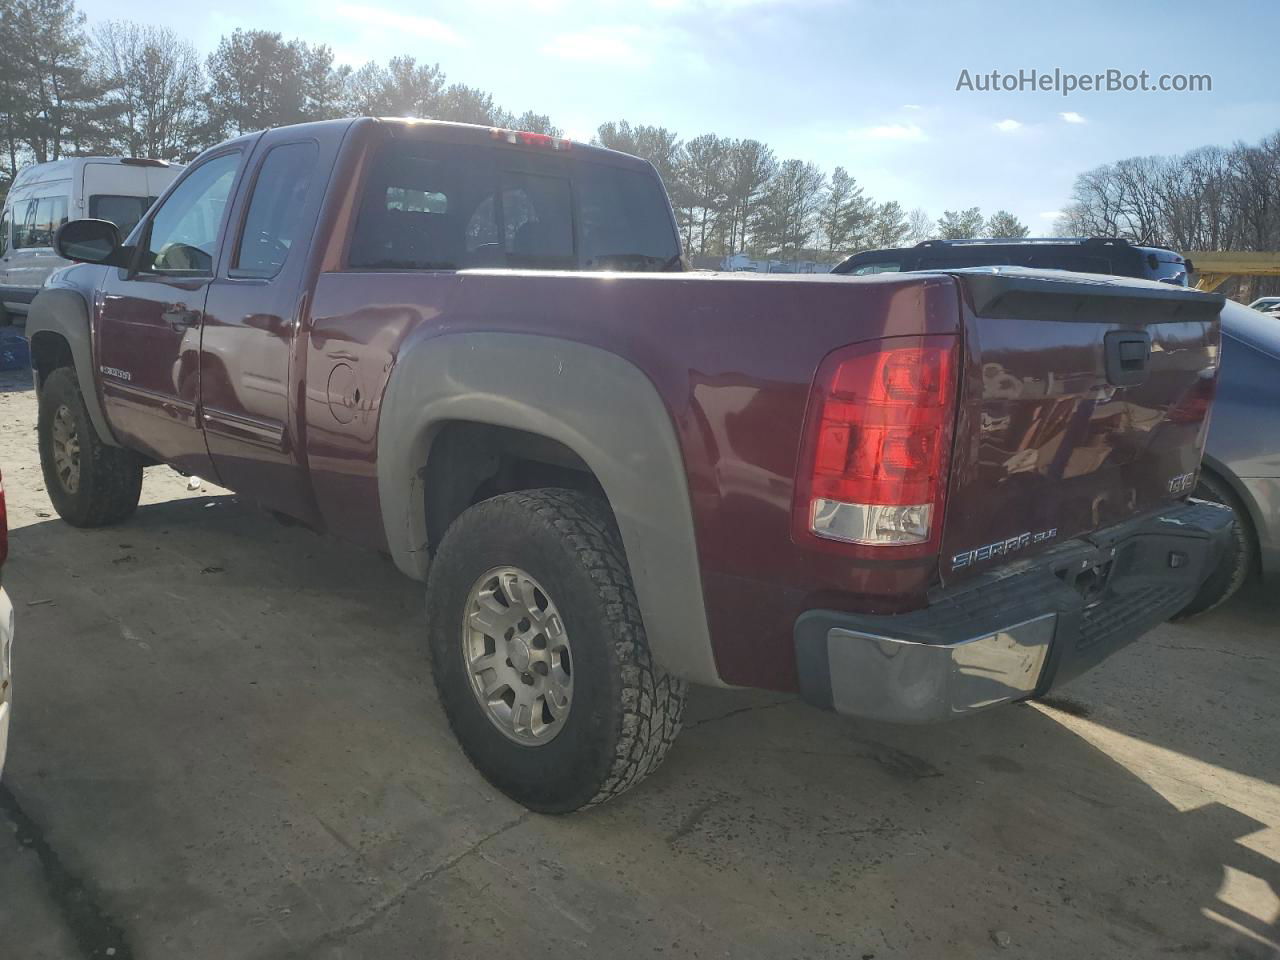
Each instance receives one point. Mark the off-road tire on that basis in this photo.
(625, 712)
(110, 478)
(1236, 565)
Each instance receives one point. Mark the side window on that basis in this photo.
(867, 269)
(275, 210)
(6, 228)
(624, 220)
(27, 229)
(426, 206)
(124, 212)
(537, 214)
(42, 217)
(51, 213)
(182, 237)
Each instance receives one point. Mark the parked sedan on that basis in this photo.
(1266, 304)
(1242, 457)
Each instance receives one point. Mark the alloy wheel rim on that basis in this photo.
(516, 651)
(66, 449)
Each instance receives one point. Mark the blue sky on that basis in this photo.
(869, 86)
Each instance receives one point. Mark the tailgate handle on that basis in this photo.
(1127, 354)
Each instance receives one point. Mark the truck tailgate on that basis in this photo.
(1084, 402)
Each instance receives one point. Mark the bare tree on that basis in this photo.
(153, 78)
(919, 226)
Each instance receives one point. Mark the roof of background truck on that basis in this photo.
(449, 131)
(1041, 243)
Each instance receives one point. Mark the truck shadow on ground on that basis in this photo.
(227, 731)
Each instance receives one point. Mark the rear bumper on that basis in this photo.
(6, 677)
(1015, 632)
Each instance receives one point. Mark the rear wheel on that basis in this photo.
(1236, 564)
(540, 657)
(89, 483)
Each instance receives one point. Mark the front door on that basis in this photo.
(248, 360)
(149, 320)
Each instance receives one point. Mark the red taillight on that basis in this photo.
(874, 460)
(527, 139)
(4, 527)
(1194, 406)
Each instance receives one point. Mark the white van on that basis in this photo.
(46, 195)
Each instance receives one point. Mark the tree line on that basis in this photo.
(737, 196)
(1213, 198)
(142, 90)
(124, 88)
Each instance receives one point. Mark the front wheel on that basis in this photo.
(540, 657)
(89, 483)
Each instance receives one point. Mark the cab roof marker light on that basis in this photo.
(528, 139)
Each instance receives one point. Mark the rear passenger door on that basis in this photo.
(249, 372)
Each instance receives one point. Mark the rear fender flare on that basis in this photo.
(598, 405)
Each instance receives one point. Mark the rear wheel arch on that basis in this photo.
(468, 462)
(588, 415)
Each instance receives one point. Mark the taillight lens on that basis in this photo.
(877, 443)
(1194, 406)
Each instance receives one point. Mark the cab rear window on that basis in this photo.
(433, 206)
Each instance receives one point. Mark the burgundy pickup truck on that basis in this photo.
(905, 497)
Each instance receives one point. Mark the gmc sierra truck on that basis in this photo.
(905, 497)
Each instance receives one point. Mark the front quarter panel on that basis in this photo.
(64, 310)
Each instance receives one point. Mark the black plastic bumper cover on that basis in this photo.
(1015, 632)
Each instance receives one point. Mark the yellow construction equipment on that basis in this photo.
(1215, 267)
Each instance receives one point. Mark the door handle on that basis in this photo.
(180, 318)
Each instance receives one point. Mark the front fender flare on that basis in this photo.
(63, 312)
(598, 405)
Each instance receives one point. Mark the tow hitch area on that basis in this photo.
(1089, 576)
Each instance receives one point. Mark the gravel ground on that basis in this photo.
(226, 745)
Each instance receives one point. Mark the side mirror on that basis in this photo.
(91, 241)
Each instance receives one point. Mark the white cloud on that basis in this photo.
(1007, 126)
(616, 46)
(912, 106)
(1050, 214)
(904, 132)
(427, 28)
(1071, 117)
